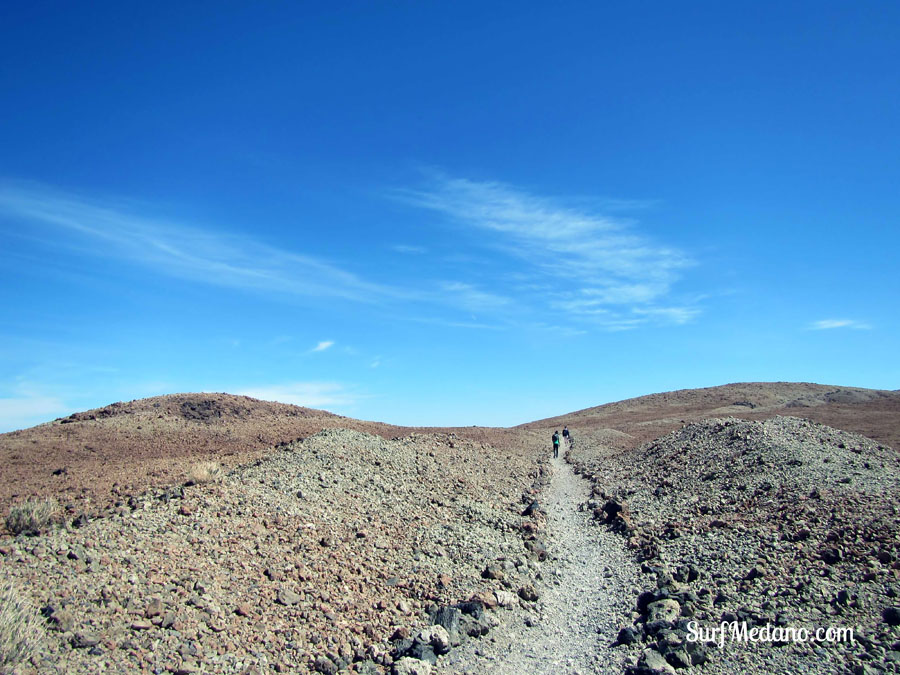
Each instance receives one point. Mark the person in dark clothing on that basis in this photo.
(556, 443)
(566, 433)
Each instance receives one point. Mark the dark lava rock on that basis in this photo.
(402, 646)
(471, 608)
(402, 633)
(325, 665)
(891, 616)
(448, 618)
(475, 627)
(686, 573)
(831, 556)
(528, 593)
(644, 600)
(627, 636)
(698, 652)
(422, 651)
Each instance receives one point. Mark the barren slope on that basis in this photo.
(873, 413)
(782, 523)
(93, 459)
(322, 543)
(310, 558)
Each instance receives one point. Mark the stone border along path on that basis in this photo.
(587, 592)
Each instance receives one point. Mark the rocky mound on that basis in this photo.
(782, 523)
(219, 408)
(309, 559)
(92, 459)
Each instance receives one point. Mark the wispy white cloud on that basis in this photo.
(472, 298)
(827, 324)
(308, 394)
(323, 345)
(591, 266)
(408, 249)
(676, 315)
(181, 250)
(527, 255)
(462, 323)
(561, 240)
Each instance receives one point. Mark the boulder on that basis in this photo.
(472, 608)
(287, 597)
(422, 651)
(437, 637)
(448, 618)
(62, 620)
(627, 636)
(486, 598)
(891, 616)
(537, 549)
(477, 626)
(653, 662)
(411, 666)
(323, 664)
(528, 593)
(492, 572)
(663, 610)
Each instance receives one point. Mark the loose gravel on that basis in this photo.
(587, 586)
(782, 524)
(308, 559)
(335, 552)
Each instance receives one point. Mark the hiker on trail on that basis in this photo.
(556, 443)
(566, 434)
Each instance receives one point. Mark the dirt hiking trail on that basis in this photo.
(587, 590)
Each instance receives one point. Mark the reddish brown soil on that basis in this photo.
(872, 413)
(90, 460)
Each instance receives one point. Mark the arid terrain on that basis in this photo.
(326, 543)
(95, 458)
(870, 412)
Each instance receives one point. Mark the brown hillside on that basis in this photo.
(99, 456)
(626, 424)
(313, 554)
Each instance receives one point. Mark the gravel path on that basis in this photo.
(587, 590)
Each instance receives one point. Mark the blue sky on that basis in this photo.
(444, 213)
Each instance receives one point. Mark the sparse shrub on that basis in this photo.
(31, 517)
(20, 631)
(205, 472)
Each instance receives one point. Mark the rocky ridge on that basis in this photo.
(92, 459)
(873, 413)
(782, 523)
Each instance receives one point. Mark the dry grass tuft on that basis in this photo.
(31, 517)
(20, 628)
(205, 472)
